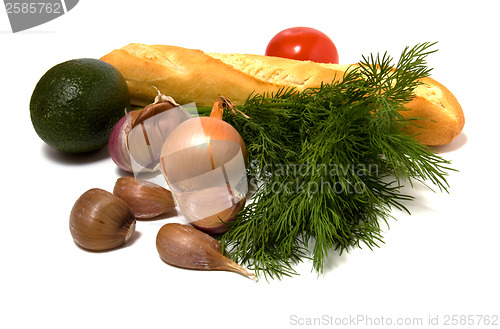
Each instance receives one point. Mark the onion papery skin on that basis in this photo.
(198, 131)
(138, 149)
(204, 163)
(146, 139)
(117, 145)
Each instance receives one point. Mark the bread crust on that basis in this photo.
(441, 118)
(190, 75)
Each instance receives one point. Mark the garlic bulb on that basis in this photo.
(101, 221)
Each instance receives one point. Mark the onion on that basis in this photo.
(204, 163)
(145, 140)
(136, 140)
(117, 145)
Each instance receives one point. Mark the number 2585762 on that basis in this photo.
(33, 8)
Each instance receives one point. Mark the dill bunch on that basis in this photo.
(327, 164)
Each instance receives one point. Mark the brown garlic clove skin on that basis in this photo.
(101, 221)
(145, 199)
(186, 247)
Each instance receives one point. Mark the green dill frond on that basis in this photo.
(329, 163)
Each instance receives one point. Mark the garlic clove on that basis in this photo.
(101, 221)
(145, 199)
(186, 247)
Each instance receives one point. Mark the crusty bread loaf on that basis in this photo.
(444, 116)
(194, 76)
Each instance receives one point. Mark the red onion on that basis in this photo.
(136, 140)
(118, 145)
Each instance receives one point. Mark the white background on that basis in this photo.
(442, 260)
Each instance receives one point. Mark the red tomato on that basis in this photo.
(303, 43)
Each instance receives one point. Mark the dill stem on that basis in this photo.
(276, 105)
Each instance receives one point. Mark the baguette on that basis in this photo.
(190, 75)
